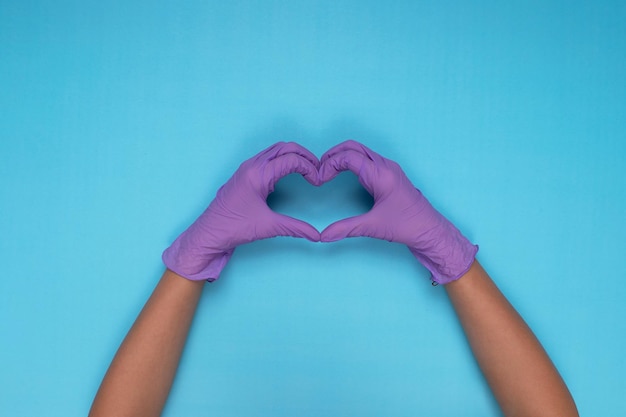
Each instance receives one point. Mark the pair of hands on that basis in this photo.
(239, 213)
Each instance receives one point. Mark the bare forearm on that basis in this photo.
(141, 374)
(518, 370)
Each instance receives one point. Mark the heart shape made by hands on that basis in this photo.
(400, 213)
(340, 198)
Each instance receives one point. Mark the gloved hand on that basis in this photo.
(400, 213)
(239, 213)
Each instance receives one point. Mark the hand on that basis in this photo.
(239, 213)
(400, 213)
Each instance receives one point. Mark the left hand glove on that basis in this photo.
(239, 213)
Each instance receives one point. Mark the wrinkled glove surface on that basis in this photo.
(400, 213)
(239, 213)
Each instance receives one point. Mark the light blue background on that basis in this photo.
(120, 119)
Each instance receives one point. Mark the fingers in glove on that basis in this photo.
(351, 145)
(284, 148)
(288, 226)
(357, 226)
(287, 164)
(349, 160)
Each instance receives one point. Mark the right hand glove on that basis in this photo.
(400, 213)
(239, 213)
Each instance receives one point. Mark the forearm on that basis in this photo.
(522, 377)
(141, 374)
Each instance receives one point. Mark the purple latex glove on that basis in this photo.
(400, 213)
(239, 213)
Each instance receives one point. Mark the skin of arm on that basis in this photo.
(519, 372)
(142, 372)
(517, 369)
(139, 379)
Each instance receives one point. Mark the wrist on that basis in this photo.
(445, 252)
(193, 262)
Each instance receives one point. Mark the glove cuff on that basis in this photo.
(195, 266)
(448, 255)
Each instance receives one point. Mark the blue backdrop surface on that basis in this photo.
(119, 120)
